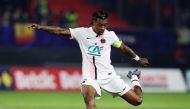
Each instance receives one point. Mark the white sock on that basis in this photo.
(135, 81)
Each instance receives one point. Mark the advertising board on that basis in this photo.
(187, 75)
(6, 81)
(46, 79)
(158, 79)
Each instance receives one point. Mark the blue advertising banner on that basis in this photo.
(6, 80)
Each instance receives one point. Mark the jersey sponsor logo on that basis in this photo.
(94, 50)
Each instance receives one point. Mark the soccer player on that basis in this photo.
(97, 72)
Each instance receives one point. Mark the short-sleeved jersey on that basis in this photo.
(95, 49)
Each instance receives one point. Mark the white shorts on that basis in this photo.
(114, 85)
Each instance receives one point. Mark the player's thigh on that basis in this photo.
(89, 94)
(88, 90)
(90, 87)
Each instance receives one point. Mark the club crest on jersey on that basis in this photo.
(103, 41)
(94, 50)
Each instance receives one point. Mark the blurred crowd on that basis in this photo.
(150, 13)
(138, 13)
(13, 11)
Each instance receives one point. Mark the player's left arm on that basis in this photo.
(127, 50)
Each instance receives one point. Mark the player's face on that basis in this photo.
(99, 26)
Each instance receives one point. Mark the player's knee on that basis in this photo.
(89, 100)
(90, 103)
(138, 102)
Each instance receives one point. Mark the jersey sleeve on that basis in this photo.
(115, 40)
(75, 33)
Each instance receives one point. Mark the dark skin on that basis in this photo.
(133, 96)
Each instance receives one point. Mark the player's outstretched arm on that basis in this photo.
(142, 61)
(52, 29)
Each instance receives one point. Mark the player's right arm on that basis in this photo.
(52, 29)
(125, 49)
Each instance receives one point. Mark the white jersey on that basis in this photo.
(96, 62)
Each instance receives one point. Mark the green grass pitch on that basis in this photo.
(74, 100)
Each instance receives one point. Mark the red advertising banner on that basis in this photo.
(46, 78)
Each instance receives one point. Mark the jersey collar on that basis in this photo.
(93, 33)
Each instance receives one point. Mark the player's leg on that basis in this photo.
(132, 97)
(89, 96)
(135, 95)
(90, 89)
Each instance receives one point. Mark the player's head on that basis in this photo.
(100, 21)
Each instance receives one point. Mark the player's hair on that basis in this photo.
(100, 14)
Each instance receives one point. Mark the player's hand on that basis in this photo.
(34, 26)
(143, 62)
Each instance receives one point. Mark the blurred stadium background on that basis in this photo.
(42, 71)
